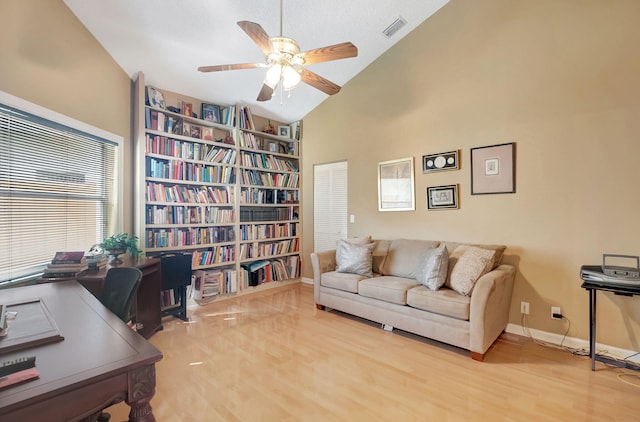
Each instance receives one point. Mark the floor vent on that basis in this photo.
(394, 27)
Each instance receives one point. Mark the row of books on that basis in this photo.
(160, 192)
(267, 249)
(188, 236)
(162, 145)
(267, 161)
(207, 284)
(268, 231)
(213, 255)
(176, 125)
(194, 172)
(265, 271)
(268, 196)
(252, 214)
(260, 178)
(245, 118)
(168, 214)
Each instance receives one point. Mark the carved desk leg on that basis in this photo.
(142, 387)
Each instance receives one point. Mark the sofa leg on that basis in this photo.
(477, 356)
(319, 307)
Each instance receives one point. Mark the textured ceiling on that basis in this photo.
(168, 40)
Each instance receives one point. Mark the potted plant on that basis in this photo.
(118, 244)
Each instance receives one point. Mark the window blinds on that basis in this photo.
(56, 191)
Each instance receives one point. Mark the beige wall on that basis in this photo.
(559, 78)
(50, 59)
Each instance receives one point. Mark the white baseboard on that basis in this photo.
(306, 280)
(573, 342)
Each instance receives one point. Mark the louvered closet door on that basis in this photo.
(329, 204)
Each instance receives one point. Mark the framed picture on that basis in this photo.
(284, 131)
(211, 112)
(186, 129)
(396, 185)
(493, 169)
(155, 97)
(207, 133)
(196, 131)
(442, 161)
(187, 108)
(442, 197)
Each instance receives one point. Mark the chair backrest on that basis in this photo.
(119, 290)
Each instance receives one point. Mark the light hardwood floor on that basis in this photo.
(272, 356)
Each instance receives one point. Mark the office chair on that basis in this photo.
(118, 294)
(119, 291)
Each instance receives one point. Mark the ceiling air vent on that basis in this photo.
(394, 27)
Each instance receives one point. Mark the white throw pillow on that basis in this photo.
(354, 258)
(432, 268)
(473, 264)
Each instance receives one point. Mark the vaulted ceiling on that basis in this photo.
(168, 40)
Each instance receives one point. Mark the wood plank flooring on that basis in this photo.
(271, 356)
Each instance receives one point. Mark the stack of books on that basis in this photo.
(96, 262)
(65, 266)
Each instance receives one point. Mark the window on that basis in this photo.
(57, 187)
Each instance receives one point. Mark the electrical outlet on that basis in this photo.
(524, 308)
(555, 311)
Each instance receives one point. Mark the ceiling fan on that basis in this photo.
(285, 62)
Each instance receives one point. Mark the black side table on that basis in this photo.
(593, 287)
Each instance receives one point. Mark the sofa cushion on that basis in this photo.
(432, 268)
(443, 301)
(452, 246)
(404, 255)
(387, 288)
(469, 267)
(341, 281)
(354, 258)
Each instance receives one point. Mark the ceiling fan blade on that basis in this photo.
(257, 34)
(221, 67)
(266, 93)
(330, 52)
(318, 82)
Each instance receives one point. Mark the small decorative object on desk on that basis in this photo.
(118, 244)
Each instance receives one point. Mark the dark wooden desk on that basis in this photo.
(101, 361)
(593, 287)
(147, 306)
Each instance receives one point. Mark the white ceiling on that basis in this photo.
(168, 40)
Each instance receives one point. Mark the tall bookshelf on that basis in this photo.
(223, 192)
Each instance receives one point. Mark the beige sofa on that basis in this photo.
(471, 319)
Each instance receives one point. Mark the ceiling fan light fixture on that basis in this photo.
(273, 75)
(290, 78)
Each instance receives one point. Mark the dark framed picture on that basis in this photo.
(211, 112)
(441, 161)
(442, 197)
(493, 169)
(196, 131)
(155, 97)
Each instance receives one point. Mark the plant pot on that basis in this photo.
(114, 253)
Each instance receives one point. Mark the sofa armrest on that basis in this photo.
(490, 303)
(322, 262)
